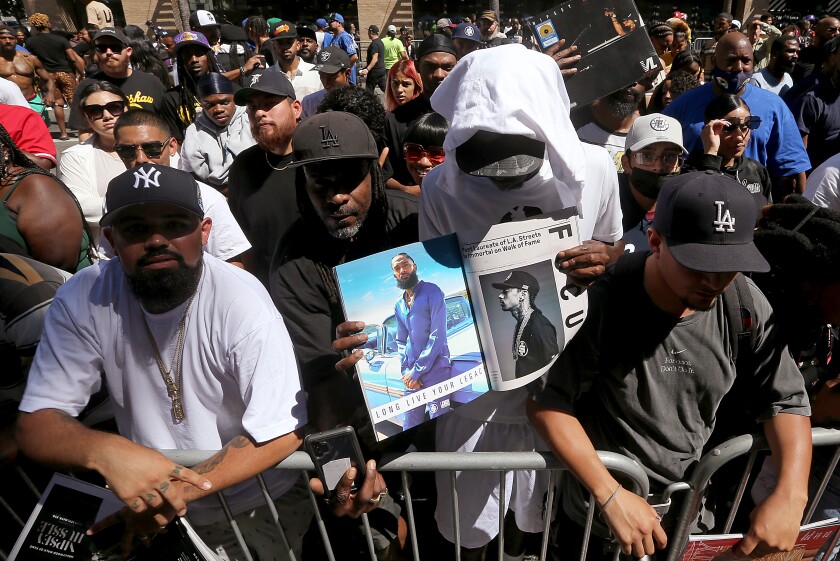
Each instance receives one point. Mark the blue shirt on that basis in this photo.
(347, 44)
(776, 144)
(421, 332)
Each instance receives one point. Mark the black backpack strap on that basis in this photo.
(740, 314)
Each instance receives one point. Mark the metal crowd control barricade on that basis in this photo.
(629, 471)
(715, 459)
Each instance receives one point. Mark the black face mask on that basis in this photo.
(649, 183)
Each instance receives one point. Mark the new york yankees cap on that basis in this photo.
(268, 81)
(707, 220)
(151, 183)
(334, 135)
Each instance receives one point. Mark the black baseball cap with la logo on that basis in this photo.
(151, 183)
(334, 135)
(707, 220)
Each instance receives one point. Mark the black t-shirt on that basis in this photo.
(176, 114)
(144, 91)
(51, 49)
(262, 199)
(376, 47)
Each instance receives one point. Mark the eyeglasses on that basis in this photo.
(116, 48)
(96, 112)
(416, 152)
(669, 159)
(747, 124)
(151, 149)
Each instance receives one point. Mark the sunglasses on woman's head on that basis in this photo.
(416, 152)
(96, 112)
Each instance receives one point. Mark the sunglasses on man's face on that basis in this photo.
(96, 112)
(416, 152)
(744, 125)
(116, 48)
(152, 149)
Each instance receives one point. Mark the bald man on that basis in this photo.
(776, 143)
(812, 57)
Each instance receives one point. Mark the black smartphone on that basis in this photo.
(334, 452)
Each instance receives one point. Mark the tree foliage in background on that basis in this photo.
(12, 8)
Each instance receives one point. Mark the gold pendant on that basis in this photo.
(177, 410)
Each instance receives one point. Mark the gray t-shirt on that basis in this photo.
(648, 385)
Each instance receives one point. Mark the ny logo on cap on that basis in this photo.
(328, 138)
(148, 177)
(725, 221)
(254, 79)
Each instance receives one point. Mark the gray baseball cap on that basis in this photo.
(653, 128)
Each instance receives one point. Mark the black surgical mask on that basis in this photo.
(732, 82)
(649, 183)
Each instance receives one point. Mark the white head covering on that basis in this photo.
(510, 90)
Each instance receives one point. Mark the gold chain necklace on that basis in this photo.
(275, 168)
(173, 389)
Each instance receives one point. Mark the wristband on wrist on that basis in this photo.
(242, 70)
(609, 500)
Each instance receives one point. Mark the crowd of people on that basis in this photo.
(181, 256)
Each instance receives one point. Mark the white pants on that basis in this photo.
(479, 491)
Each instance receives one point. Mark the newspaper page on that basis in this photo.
(525, 308)
(422, 357)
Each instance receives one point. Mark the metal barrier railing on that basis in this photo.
(637, 482)
(714, 460)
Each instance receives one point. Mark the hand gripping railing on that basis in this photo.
(452, 462)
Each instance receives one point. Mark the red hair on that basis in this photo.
(405, 67)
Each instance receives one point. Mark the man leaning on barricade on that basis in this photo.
(652, 394)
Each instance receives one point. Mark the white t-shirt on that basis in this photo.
(767, 81)
(239, 370)
(823, 186)
(10, 94)
(477, 203)
(614, 142)
(306, 81)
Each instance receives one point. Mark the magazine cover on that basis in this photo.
(817, 541)
(422, 356)
(612, 42)
(525, 308)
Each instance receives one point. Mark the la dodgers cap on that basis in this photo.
(653, 128)
(331, 60)
(266, 81)
(333, 135)
(707, 220)
(151, 183)
(467, 31)
(112, 33)
(491, 154)
(521, 280)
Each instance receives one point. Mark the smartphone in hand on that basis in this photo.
(334, 452)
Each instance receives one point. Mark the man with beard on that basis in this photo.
(421, 338)
(261, 185)
(194, 344)
(142, 137)
(308, 44)
(812, 57)
(775, 77)
(612, 117)
(535, 342)
(655, 394)
(491, 35)
(776, 144)
(285, 47)
(21, 67)
(112, 54)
